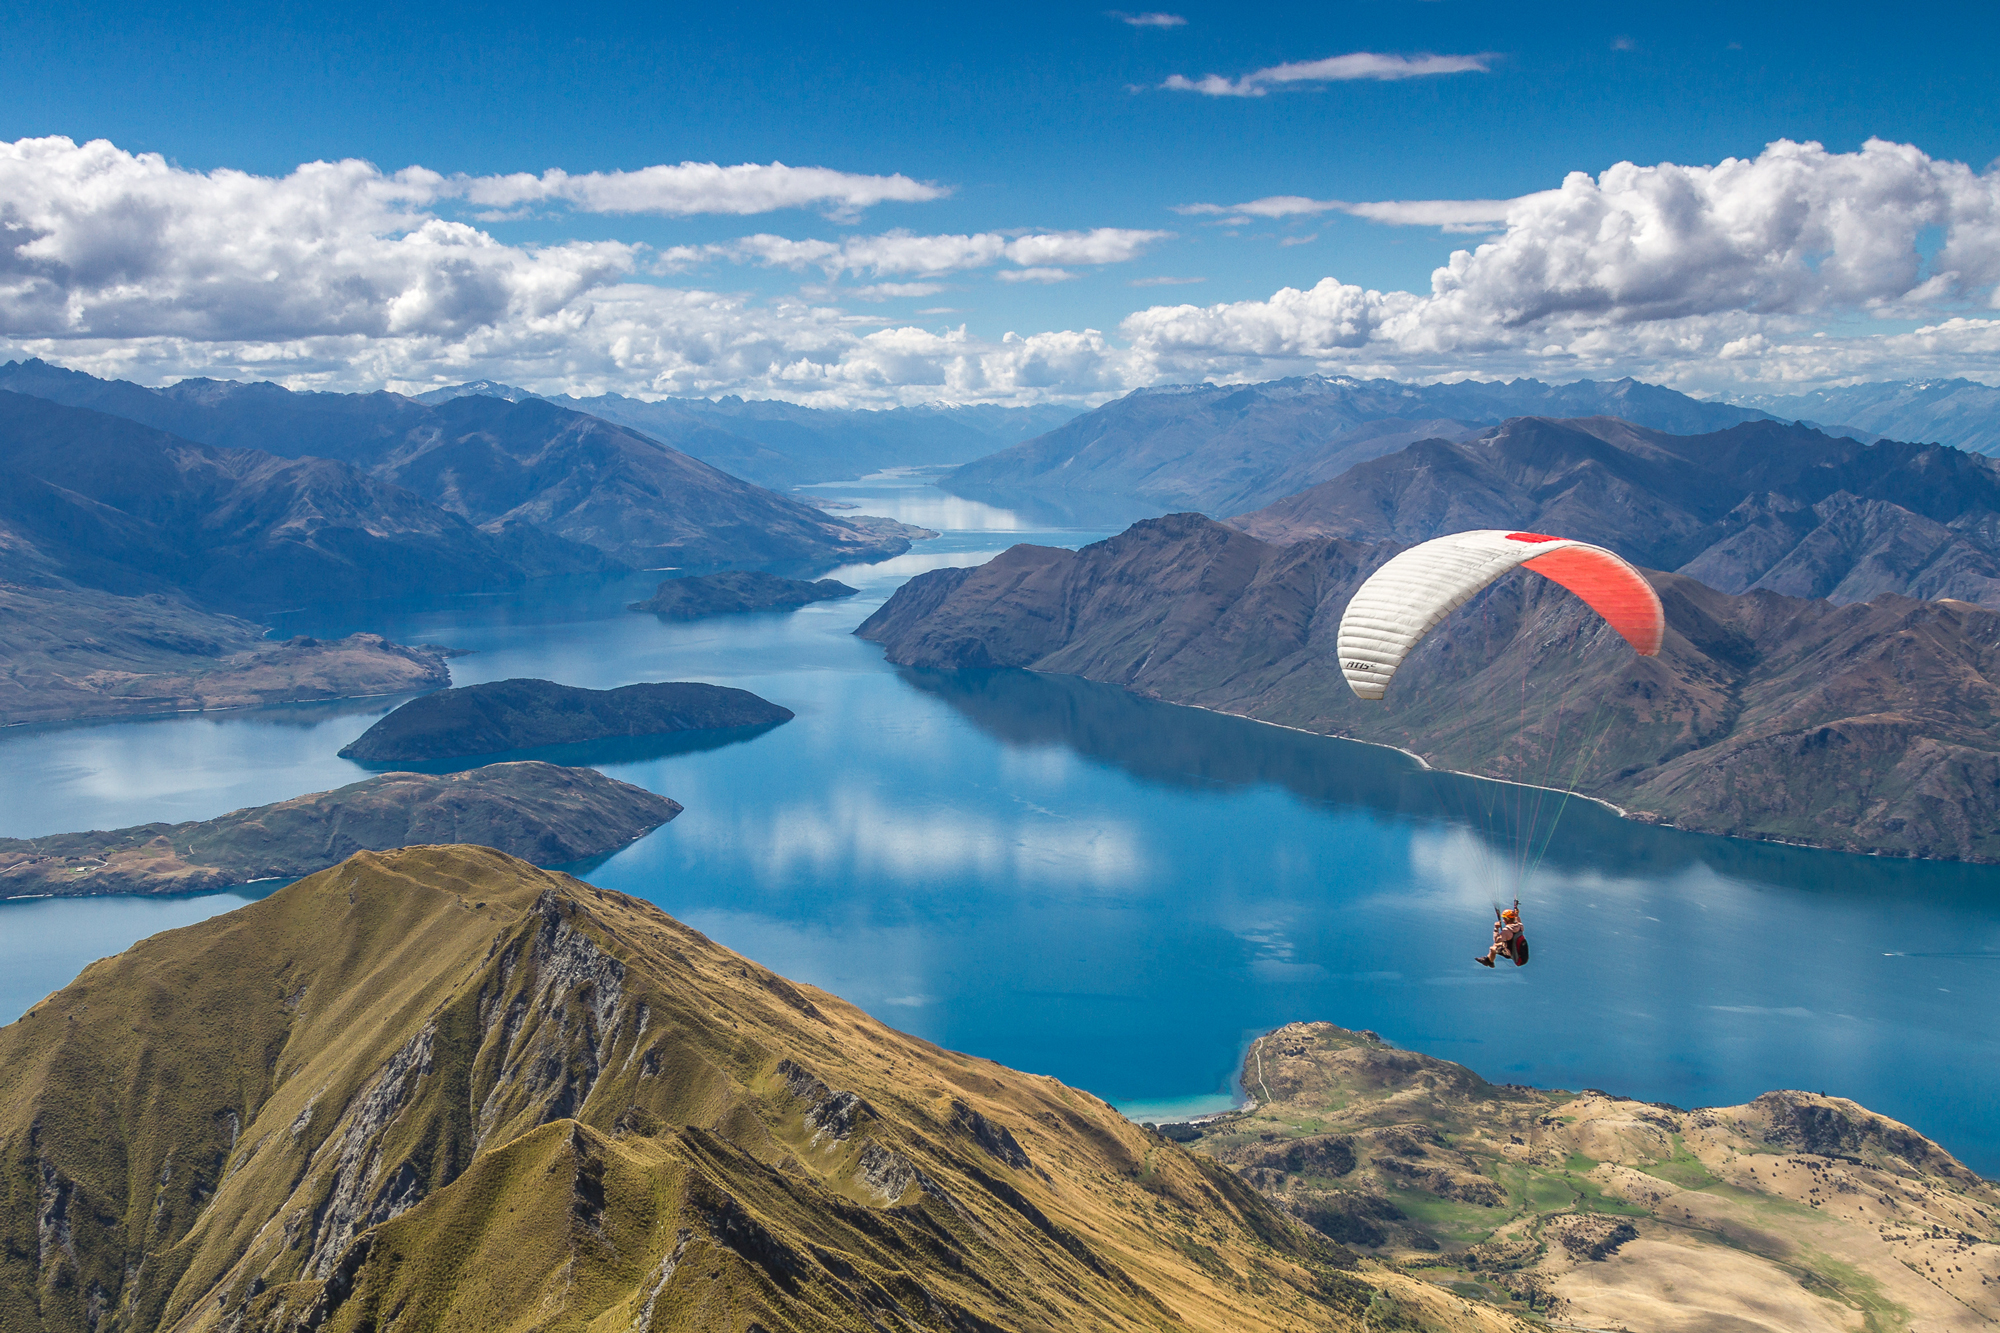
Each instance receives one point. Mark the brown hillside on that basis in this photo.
(1868, 727)
(441, 1089)
(1796, 1211)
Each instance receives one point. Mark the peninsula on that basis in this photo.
(538, 812)
(506, 715)
(703, 595)
(68, 653)
(1869, 727)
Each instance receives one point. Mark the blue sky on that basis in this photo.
(1034, 121)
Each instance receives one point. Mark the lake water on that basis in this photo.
(1122, 894)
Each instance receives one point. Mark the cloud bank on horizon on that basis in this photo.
(1797, 267)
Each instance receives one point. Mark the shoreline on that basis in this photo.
(1621, 811)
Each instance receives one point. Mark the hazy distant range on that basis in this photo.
(781, 444)
(1231, 449)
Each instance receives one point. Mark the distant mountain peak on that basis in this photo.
(474, 389)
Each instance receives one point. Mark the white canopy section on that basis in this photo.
(1402, 601)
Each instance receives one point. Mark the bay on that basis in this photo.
(1121, 893)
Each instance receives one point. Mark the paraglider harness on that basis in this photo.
(1517, 947)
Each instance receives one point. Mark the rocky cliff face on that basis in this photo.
(1793, 1211)
(1868, 727)
(538, 812)
(1761, 506)
(441, 1089)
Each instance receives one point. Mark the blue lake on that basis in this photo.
(1120, 893)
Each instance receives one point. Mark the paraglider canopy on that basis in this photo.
(1402, 601)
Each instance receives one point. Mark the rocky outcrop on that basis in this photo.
(1599, 1211)
(538, 812)
(1868, 727)
(504, 715)
(699, 596)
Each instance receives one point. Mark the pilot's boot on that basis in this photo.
(1484, 960)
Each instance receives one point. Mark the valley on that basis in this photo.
(1302, 669)
(855, 848)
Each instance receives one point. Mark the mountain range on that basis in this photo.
(501, 466)
(103, 502)
(1961, 413)
(1763, 505)
(1226, 449)
(1869, 727)
(782, 444)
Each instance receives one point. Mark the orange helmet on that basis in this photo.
(1510, 915)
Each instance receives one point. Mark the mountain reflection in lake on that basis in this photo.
(1078, 882)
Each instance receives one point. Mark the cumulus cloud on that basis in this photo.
(1357, 65)
(1751, 271)
(97, 241)
(1043, 275)
(1150, 20)
(1661, 264)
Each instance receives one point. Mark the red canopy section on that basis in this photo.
(1612, 588)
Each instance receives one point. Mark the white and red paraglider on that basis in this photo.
(1406, 598)
(1411, 594)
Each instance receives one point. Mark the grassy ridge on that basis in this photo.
(439, 1088)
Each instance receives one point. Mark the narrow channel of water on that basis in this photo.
(1120, 893)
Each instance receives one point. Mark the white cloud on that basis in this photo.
(1451, 215)
(695, 187)
(341, 276)
(1358, 65)
(1661, 267)
(906, 252)
(886, 291)
(102, 242)
(1043, 275)
(1150, 20)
